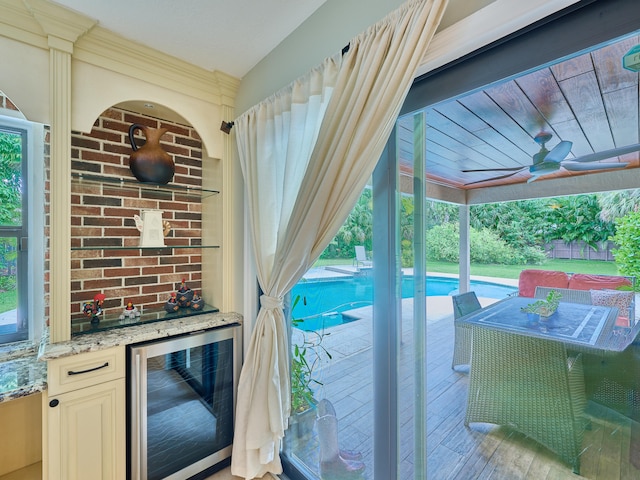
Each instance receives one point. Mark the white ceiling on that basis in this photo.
(228, 36)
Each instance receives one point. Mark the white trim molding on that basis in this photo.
(491, 23)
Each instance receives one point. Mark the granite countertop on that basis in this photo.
(92, 342)
(21, 374)
(23, 367)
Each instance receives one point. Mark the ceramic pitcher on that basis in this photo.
(150, 163)
(150, 225)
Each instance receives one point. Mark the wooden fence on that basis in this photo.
(579, 251)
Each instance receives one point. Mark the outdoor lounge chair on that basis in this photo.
(463, 304)
(361, 259)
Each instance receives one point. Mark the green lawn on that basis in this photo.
(506, 271)
(8, 300)
(321, 262)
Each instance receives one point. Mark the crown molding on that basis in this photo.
(17, 23)
(59, 22)
(228, 88)
(108, 50)
(36, 22)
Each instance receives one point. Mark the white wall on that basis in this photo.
(24, 78)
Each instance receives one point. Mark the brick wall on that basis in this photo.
(102, 215)
(5, 102)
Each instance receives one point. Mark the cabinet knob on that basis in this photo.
(54, 403)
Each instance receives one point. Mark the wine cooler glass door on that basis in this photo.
(182, 420)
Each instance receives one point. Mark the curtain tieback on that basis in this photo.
(271, 302)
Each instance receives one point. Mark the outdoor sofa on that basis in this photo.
(608, 290)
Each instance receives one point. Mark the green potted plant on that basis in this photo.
(307, 354)
(545, 307)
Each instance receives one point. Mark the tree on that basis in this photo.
(521, 224)
(577, 218)
(627, 237)
(356, 230)
(10, 179)
(617, 204)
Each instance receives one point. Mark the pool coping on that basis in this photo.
(330, 272)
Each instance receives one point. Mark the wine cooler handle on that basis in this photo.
(80, 372)
(137, 426)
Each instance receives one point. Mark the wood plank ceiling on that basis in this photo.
(590, 100)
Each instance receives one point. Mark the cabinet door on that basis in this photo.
(87, 433)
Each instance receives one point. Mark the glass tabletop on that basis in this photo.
(580, 324)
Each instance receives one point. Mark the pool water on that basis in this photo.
(322, 301)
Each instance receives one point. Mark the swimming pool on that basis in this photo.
(323, 301)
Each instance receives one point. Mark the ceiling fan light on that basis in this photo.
(544, 168)
(631, 59)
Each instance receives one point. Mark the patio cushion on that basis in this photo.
(530, 279)
(584, 281)
(622, 300)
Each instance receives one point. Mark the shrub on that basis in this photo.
(627, 237)
(442, 243)
(7, 283)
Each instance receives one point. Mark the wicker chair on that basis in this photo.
(530, 385)
(463, 304)
(610, 379)
(568, 295)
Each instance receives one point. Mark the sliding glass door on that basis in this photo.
(331, 433)
(358, 343)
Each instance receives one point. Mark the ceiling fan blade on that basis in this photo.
(559, 152)
(494, 178)
(581, 167)
(614, 152)
(506, 169)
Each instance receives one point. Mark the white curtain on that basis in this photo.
(306, 154)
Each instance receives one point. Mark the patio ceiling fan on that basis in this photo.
(550, 161)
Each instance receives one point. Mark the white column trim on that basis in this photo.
(465, 250)
(60, 188)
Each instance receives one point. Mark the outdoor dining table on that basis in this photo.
(579, 326)
(528, 375)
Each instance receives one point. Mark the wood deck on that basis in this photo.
(453, 450)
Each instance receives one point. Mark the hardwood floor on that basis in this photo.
(456, 452)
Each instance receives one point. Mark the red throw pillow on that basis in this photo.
(530, 279)
(584, 281)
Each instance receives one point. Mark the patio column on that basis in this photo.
(465, 250)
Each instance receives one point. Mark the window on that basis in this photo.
(13, 234)
(21, 260)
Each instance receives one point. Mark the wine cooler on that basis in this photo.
(181, 397)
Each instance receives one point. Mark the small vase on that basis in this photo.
(533, 318)
(150, 163)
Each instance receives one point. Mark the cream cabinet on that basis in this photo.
(85, 413)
